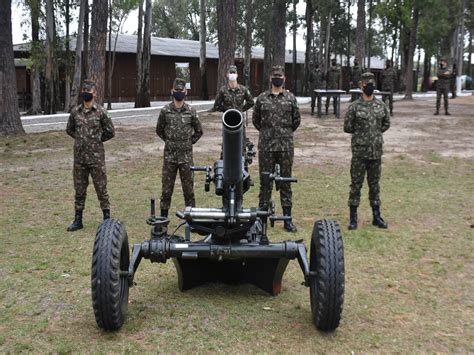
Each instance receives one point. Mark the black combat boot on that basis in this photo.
(378, 220)
(352, 218)
(106, 213)
(288, 224)
(164, 213)
(447, 113)
(77, 224)
(437, 112)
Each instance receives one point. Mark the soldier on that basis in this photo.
(389, 75)
(233, 95)
(332, 83)
(366, 119)
(442, 86)
(356, 72)
(316, 78)
(276, 116)
(178, 125)
(90, 126)
(453, 81)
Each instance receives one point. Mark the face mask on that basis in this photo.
(388, 66)
(333, 64)
(179, 95)
(277, 81)
(356, 63)
(441, 66)
(86, 96)
(369, 89)
(232, 76)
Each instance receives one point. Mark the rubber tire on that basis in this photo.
(327, 283)
(111, 255)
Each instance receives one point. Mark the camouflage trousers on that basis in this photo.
(359, 166)
(334, 102)
(442, 90)
(266, 163)
(168, 177)
(389, 98)
(81, 174)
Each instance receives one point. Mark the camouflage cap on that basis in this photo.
(179, 84)
(232, 69)
(443, 60)
(368, 77)
(88, 84)
(278, 70)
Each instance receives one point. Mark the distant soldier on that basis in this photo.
(453, 81)
(90, 126)
(356, 72)
(442, 86)
(178, 125)
(389, 75)
(233, 95)
(366, 119)
(332, 83)
(316, 78)
(276, 116)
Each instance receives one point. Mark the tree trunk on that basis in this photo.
(49, 103)
(138, 80)
(470, 53)
(349, 35)
(144, 93)
(109, 61)
(35, 107)
(97, 47)
(76, 82)
(226, 34)
(411, 53)
(294, 48)
(309, 41)
(67, 84)
(425, 85)
(248, 41)
(268, 47)
(360, 33)
(394, 45)
(10, 122)
(85, 52)
(327, 32)
(415, 86)
(202, 53)
(369, 36)
(279, 32)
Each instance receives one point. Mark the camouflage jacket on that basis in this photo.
(238, 98)
(89, 128)
(316, 79)
(180, 129)
(444, 78)
(366, 121)
(276, 117)
(356, 72)
(388, 79)
(332, 78)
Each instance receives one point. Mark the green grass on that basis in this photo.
(408, 288)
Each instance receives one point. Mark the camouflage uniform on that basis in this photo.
(332, 83)
(90, 128)
(276, 117)
(238, 98)
(389, 75)
(180, 129)
(316, 78)
(356, 72)
(442, 87)
(366, 121)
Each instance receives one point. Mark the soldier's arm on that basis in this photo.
(385, 119)
(349, 120)
(160, 125)
(71, 126)
(296, 114)
(197, 127)
(257, 115)
(108, 131)
(218, 102)
(248, 100)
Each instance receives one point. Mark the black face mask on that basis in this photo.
(356, 64)
(388, 66)
(277, 81)
(179, 95)
(441, 66)
(87, 96)
(368, 89)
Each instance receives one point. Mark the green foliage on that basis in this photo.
(176, 19)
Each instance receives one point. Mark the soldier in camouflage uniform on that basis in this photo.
(389, 75)
(316, 78)
(90, 126)
(442, 86)
(178, 125)
(233, 95)
(276, 116)
(356, 72)
(332, 83)
(366, 119)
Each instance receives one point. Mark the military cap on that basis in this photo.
(368, 77)
(232, 69)
(179, 84)
(278, 69)
(443, 60)
(88, 84)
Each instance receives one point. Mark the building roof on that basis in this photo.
(171, 47)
